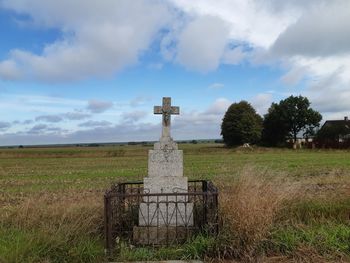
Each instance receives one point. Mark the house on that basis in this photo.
(334, 134)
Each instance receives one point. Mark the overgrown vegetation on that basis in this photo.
(196, 248)
(250, 206)
(277, 205)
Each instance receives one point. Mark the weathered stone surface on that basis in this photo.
(160, 235)
(166, 110)
(165, 144)
(165, 162)
(160, 213)
(165, 184)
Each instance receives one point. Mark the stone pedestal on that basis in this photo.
(165, 184)
(160, 235)
(159, 213)
(165, 175)
(166, 162)
(166, 214)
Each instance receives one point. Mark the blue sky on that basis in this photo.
(91, 71)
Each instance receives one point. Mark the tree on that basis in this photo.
(275, 129)
(288, 118)
(241, 124)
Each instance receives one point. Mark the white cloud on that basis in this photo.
(99, 106)
(294, 75)
(250, 21)
(43, 134)
(26, 122)
(262, 102)
(316, 49)
(134, 116)
(92, 123)
(49, 118)
(76, 115)
(309, 39)
(139, 100)
(202, 43)
(44, 105)
(188, 125)
(201, 124)
(155, 66)
(330, 95)
(9, 70)
(233, 56)
(37, 129)
(322, 31)
(218, 107)
(98, 38)
(216, 86)
(4, 125)
(72, 115)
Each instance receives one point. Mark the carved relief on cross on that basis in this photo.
(166, 110)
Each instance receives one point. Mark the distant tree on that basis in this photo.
(241, 124)
(144, 143)
(275, 129)
(194, 141)
(288, 118)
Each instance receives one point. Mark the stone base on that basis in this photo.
(166, 214)
(165, 162)
(165, 143)
(152, 235)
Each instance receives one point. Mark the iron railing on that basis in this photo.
(141, 218)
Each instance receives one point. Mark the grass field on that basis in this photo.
(276, 204)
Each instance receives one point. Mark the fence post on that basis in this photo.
(106, 219)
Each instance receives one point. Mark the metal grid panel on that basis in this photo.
(123, 216)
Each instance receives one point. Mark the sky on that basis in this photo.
(88, 71)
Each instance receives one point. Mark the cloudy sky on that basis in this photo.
(91, 71)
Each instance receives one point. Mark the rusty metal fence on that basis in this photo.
(141, 218)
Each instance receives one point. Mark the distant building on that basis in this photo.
(334, 134)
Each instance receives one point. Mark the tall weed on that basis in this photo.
(249, 207)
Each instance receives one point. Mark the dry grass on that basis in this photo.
(293, 206)
(249, 208)
(79, 211)
(57, 228)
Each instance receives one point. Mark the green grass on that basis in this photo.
(327, 239)
(28, 245)
(318, 210)
(65, 180)
(196, 248)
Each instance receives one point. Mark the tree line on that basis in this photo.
(291, 118)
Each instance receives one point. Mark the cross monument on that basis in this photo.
(166, 110)
(165, 175)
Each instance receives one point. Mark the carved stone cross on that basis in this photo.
(166, 110)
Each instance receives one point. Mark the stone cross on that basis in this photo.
(159, 214)
(166, 110)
